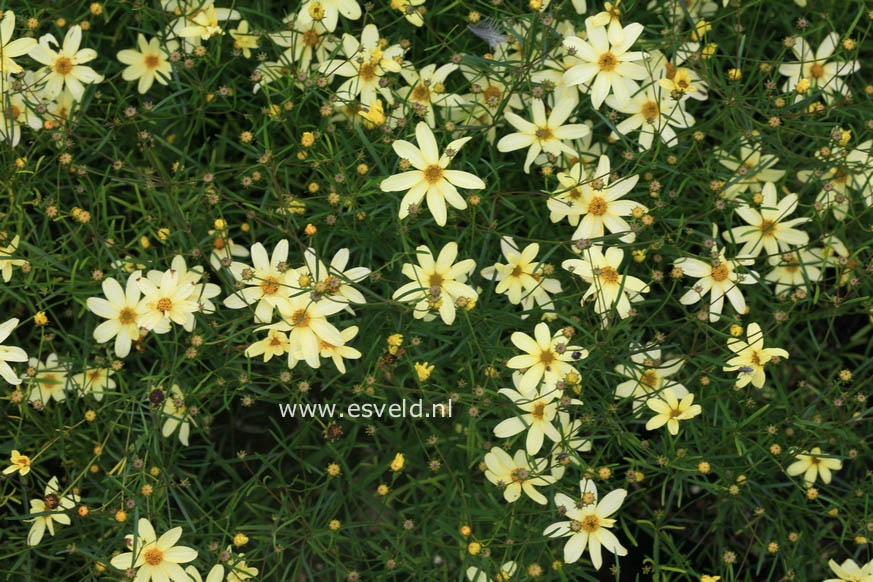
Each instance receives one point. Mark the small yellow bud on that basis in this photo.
(240, 540)
(398, 462)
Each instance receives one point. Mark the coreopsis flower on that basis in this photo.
(507, 570)
(655, 113)
(648, 374)
(275, 344)
(588, 524)
(176, 413)
(544, 134)
(148, 63)
(49, 380)
(570, 443)
(20, 463)
(410, 10)
(751, 356)
(309, 328)
(303, 44)
(65, 67)
(333, 281)
(243, 40)
(540, 409)
(851, 172)
(817, 68)
(517, 473)
(752, 170)
(431, 176)
(522, 278)
(720, 278)
(10, 49)
(169, 297)
(95, 381)
(426, 90)
(813, 465)
(206, 22)
(364, 63)
(608, 285)
(610, 17)
(123, 310)
(436, 285)
(593, 202)
(768, 229)
(670, 410)
(423, 370)
(849, 571)
(547, 357)
(488, 99)
(52, 506)
(795, 268)
(336, 353)
(10, 353)
(681, 82)
(606, 66)
(267, 287)
(155, 558)
(327, 12)
(7, 263)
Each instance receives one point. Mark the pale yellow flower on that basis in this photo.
(147, 64)
(813, 465)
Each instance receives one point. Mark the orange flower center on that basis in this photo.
(368, 71)
(538, 410)
(270, 286)
(597, 206)
(591, 523)
(650, 111)
(421, 93)
(164, 304)
(609, 275)
(153, 556)
(721, 272)
(127, 315)
(433, 173)
(607, 62)
(817, 71)
(152, 61)
(63, 66)
(300, 318)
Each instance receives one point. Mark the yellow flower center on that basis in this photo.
(597, 206)
(650, 111)
(310, 38)
(547, 357)
(575, 194)
(63, 66)
(127, 316)
(516, 271)
(544, 133)
(609, 275)
(433, 173)
(275, 341)
(436, 280)
(492, 94)
(152, 61)
(16, 111)
(607, 62)
(153, 556)
(164, 304)
(300, 318)
(767, 226)
(368, 71)
(270, 286)
(316, 11)
(650, 378)
(538, 411)
(721, 272)
(421, 93)
(591, 523)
